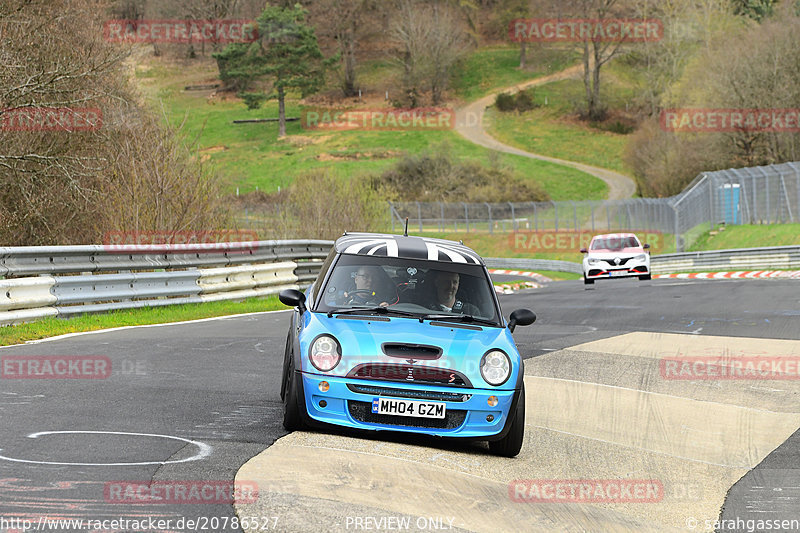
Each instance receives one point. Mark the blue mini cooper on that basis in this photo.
(405, 334)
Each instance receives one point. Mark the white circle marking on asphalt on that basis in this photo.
(204, 450)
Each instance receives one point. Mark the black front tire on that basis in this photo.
(511, 444)
(587, 281)
(647, 277)
(292, 419)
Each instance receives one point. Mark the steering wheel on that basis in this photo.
(361, 292)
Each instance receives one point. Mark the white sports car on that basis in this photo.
(616, 255)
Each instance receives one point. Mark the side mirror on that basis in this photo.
(293, 298)
(521, 317)
(584, 251)
(646, 246)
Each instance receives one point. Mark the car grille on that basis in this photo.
(410, 374)
(622, 261)
(362, 411)
(413, 394)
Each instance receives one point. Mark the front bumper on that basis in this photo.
(604, 271)
(349, 404)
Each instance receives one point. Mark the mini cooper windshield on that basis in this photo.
(427, 290)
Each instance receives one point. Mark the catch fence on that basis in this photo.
(755, 195)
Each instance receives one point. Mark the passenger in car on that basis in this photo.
(445, 287)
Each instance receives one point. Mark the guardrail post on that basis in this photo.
(466, 215)
(441, 216)
(513, 217)
(489, 207)
(419, 216)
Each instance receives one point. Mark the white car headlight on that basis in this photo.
(325, 353)
(593, 261)
(640, 257)
(495, 367)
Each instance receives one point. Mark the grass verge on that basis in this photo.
(748, 236)
(51, 327)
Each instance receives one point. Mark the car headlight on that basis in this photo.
(495, 367)
(593, 261)
(325, 353)
(640, 257)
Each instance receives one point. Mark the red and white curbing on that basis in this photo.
(751, 274)
(510, 288)
(534, 275)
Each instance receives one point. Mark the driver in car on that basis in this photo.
(368, 289)
(445, 285)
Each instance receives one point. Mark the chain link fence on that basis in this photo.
(756, 195)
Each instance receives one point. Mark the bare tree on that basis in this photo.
(431, 40)
(61, 185)
(347, 22)
(208, 10)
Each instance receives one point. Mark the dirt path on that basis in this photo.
(469, 123)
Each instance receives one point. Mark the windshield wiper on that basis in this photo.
(459, 318)
(380, 310)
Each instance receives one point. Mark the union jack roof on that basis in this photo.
(411, 247)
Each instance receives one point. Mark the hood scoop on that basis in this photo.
(422, 352)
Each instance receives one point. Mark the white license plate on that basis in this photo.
(615, 273)
(393, 406)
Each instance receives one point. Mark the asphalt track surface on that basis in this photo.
(199, 400)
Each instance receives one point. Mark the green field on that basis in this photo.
(250, 156)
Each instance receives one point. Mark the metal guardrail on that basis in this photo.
(73, 280)
(768, 258)
(533, 264)
(104, 279)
